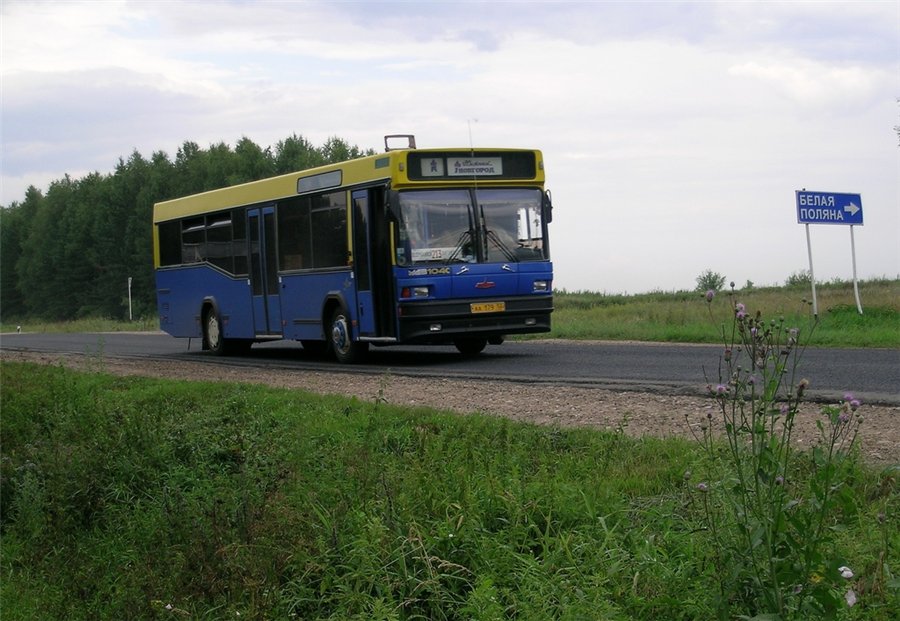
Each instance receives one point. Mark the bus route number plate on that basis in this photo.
(487, 307)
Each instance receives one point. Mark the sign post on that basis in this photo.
(830, 208)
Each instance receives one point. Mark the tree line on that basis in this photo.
(69, 253)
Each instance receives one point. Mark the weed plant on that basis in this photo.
(770, 513)
(135, 498)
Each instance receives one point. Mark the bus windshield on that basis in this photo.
(444, 226)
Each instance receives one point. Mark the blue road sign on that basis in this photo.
(828, 208)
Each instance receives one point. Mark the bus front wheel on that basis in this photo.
(344, 348)
(470, 347)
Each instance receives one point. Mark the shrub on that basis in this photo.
(710, 281)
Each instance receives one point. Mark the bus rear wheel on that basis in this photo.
(470, 347)
(341, 342)
(212, 333)
(215, 342)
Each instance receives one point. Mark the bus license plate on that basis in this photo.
(487, 307)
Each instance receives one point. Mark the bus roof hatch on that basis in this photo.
(409, 138)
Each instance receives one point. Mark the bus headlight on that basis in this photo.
(414, 292)
(541, 286)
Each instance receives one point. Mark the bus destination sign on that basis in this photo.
(828, 208)
(485, 166)
(462, 167)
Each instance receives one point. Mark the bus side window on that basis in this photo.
(193, 240)
(170, 243)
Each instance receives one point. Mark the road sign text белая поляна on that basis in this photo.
(829, 208)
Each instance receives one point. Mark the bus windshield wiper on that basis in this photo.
(464, 237)
(492, 237)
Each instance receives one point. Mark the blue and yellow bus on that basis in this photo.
(431, 246)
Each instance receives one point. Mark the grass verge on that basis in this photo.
(144, 499)
(683, 317)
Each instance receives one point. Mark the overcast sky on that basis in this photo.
(674, 134)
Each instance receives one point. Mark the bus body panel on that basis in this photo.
(458, 299)
(181, 295)
(303, 297)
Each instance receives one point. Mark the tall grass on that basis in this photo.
(682, 316)
(87, 324)
(133, 498)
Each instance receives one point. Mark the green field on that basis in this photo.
(684, 317)
(135, 498)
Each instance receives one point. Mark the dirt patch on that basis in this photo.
(635, 413)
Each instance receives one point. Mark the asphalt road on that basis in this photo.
(871, 374)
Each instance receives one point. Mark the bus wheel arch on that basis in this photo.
(213, 332)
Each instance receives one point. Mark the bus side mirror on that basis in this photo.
(391, 200)
(547, 207)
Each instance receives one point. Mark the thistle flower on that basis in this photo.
(702, 487)
(710, 294)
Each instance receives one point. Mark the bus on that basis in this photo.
(411, 246)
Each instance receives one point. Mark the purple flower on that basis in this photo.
(702, 487)
(850, 597)
(854, 404)
(785, 408)
(741, 314)
(846, 572)
(848, 396)
(740, 307)
(779, 480)
(710, 294)
(721, 389)
(843, 418)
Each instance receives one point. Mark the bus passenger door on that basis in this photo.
(264, 271)
(372, 264)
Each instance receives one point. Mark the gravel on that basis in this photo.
(634, 413)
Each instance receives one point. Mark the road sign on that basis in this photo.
(828, 208)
